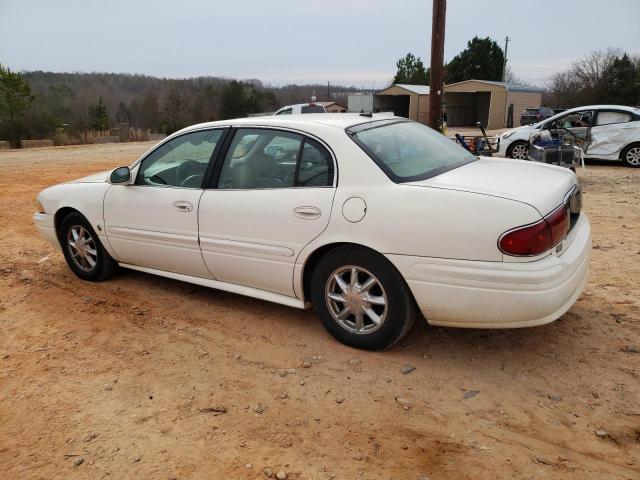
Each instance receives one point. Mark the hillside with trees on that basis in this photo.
(40, 104)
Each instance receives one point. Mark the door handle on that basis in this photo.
(183, 206)
(307, 213)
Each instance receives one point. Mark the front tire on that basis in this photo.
(362, 300)
(518, 150)
(631, 155)
(83, 251)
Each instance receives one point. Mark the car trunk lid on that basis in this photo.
(544, 187)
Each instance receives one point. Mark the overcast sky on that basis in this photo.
(352, 42)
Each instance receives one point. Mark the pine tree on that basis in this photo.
(481, 60)
(98, 116)
(411, 71)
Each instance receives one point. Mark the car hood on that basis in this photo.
(524, 129)
(544, 187)
(94, 178)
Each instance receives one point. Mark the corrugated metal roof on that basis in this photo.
(419, 89)
(512, 87)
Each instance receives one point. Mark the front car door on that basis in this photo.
(271, 195)
(611, 131)
(574, 126)
(153, 223)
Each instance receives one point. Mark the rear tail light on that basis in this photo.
(537, 238)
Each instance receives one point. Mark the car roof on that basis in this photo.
(602, 107)
(339, 120)
(624, 108)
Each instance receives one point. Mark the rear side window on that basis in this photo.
(408, 151)
(316, 166)
(312, 109)
(263, 158)
(607, 118)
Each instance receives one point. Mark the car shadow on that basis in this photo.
(302, 327)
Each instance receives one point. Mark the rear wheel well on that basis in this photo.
(623, 152)
(316, 256)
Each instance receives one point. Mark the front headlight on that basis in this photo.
(507, 134)
(39, 207)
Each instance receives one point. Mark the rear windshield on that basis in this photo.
(312, 109)
(531, 111)
(408, 151)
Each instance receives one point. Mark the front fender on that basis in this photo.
(86, 198)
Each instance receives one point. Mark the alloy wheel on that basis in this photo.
(520, 151)
(356, 299)
(633, 156)
(82, 248)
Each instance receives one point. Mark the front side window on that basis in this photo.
(574, 120)
(287, 111)
(274, 159)
(180, 162)
(408, 151)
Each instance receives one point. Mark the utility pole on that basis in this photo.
(437, 61)
(328, 93)
(504, 62)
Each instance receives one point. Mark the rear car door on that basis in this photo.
(611, 131)
(153, 223)
(271, 195)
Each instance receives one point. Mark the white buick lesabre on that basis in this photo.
(370, 219)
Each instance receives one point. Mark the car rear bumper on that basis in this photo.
(471, 294)
(44, 223)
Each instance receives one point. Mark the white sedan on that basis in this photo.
(608, 132)
(372, 220)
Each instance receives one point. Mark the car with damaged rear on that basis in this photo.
(373, 221)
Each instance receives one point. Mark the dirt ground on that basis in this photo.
(123, 379)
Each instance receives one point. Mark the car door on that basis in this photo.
(271, 195)
(611, 131)
(154, 221)
(575, 126)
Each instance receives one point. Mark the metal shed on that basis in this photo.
(495, 104)
(410, 101)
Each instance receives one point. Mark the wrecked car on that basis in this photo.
(607, 132)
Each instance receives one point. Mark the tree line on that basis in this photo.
(602, 77)
(38, 104)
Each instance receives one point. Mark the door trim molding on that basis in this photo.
(114, 231)
(211, 244)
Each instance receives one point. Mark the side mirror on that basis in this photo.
(120, 175)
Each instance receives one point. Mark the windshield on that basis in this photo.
(408, 151)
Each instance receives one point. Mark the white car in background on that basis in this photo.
(301, 108)
(608, 132)
(369, 218)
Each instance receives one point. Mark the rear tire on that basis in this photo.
(518, 150)
(630, 156)
(349, 305)
(83, 251)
